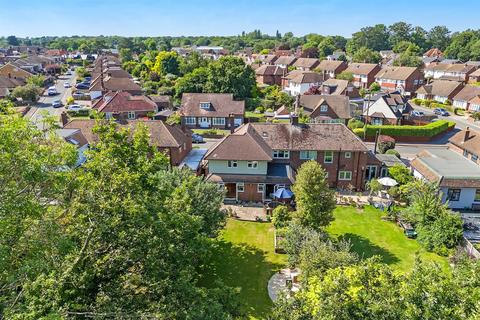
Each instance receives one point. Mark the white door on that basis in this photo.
(204, 122)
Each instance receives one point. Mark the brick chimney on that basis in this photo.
(64, 118)
(231, 122)
(467, 134)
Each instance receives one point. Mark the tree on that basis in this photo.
(12, 41)
(315, 200)
(345, 75)
(28, 93)
(399, 31)
(192, 62)
(326, 47)
(310, 52)
(400, 173)
(281, 216)
(194, 82)
(36, 80)
(126, 55)
(230, 75)
(374, 38)
(166, 62)
(365, 55)
(439, 37)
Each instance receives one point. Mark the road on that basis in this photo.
(459, 120)
(45, 102)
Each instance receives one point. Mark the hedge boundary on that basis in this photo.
(429, 130)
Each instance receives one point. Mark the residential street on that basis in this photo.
(461, 121)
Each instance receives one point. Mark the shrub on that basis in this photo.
(354, 124)
(79, 113)
(259, 109)
(476, 116)
(429, 130)
(427, 103)
(417, 101)
(70, 101)
(280, 217)
(385, 143)
(269, 110)
(459, 111)
(359, 131)
(394, 152)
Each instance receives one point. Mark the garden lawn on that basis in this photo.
(245, 259)
(369, 235)
(259, 116)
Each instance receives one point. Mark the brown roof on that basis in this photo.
(299, 76)
(338, 103)
(396, 73)
(6, 82)
(306, 63)
(451, 67)
(339, 85)
(244, 144)
(318, 136)
(114, 84)
(441, 88)
(161, 134)
(267, 58)
(269, 70)
(475, 73)
(433, 52)
(161, 98)
(221, 105)
(361, 68)
(475, 100)
(286, 60)
(467, 93)
(122, 101)
(472, 144)
(330, 65)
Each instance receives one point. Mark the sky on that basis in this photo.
(225, 17)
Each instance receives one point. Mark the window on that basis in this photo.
(453, 194)
(205, 105)
(240, 187)
(190, 120)
(252, 164)
(260, 187)
(131, 115)
(474, 157)
(465, 153)
(232, 163)
(348, 155)
(108, 115)
(218, 121)
(221, 186)
(308, 155)
(323, 108)
(345, 175)
(477, 195)
(281, 154)
(328, 157)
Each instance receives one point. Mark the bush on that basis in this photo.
(476, 116)
(429, 130)
(359, 131)
(385, 143)
(281, 217)
(70, 101)
(354, 124)
(79, 113)
(394, 152)
(417, 101)
(259, 109)
(269, 110)
(459, 111)
(427, 103)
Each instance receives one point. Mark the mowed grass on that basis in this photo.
(245, 259)
(370, 235)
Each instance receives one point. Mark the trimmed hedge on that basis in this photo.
(429, 130)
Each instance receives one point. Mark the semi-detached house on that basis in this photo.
(363, 73)
(404, 79)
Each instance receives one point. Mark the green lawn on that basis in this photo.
(245, 260)
(217, 131)
(260, 116)
(370, 236)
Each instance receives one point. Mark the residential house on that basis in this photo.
(339, 87)
(474, 77)
(162, 101)
(386, 108)
(258, 158)
(285, 61)
(404, 79)
(439, 90)
(336, 56)
(463, 98)
(385, 161)
(457, 177)
(474, 104)
(172, 140)
(104, 84)
(76, 138)
(433, 52)
(211, 110)
(363, 73)
(10, 70)
(331, 68)
(8, 84)
(467, 143)
(269, 75)
(122, 105)
(298, 82)
(449, 71)
(325, 108)
(306, 64)
(266, 59)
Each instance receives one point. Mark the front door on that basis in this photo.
(231, 189)
(370, 172)
(204, 122)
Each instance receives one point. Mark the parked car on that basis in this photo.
(79, 95)
(417, 113)
(88, 79)
(68, 73)
(75, 107)
(441, 112)
(51, 91)
(82, 85)
(196, 138)
(57, 104)
(67, 85)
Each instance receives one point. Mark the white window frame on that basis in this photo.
(240, 187)
(218, 121)
(285, 154)
(205, 105)
(330, 154)
(190, 120)
(348, 155)
(261, 187)
(221, 186)
(323, 108)
(344, 175)
(131, 115)
(232, 164)
(252, 164)
(308, 154)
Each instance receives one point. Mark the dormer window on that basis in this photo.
(205, 105)
(323, 108)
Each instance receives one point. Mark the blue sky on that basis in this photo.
(209, 17)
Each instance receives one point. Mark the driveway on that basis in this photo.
(461, 122)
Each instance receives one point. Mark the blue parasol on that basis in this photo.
(283, 193)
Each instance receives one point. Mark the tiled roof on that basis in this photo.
(330, 65)
(269, 70)
(361, 68)
(306, 63)
(221, 105)
(467, 93)
(122, 101)
(472, 144)
(396, 73)
(339, 104)
(442, 88)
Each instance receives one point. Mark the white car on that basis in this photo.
(67, 85)
(75, 107)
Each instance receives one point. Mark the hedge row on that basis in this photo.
(429, 130)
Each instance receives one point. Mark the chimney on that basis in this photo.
(231, 120)
(64, 118)
(467, 134)
(297, 104)
(294, 119)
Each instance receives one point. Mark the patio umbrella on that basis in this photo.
(387, 182)
(283, 193)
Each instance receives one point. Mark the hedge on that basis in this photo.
(429, 130)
